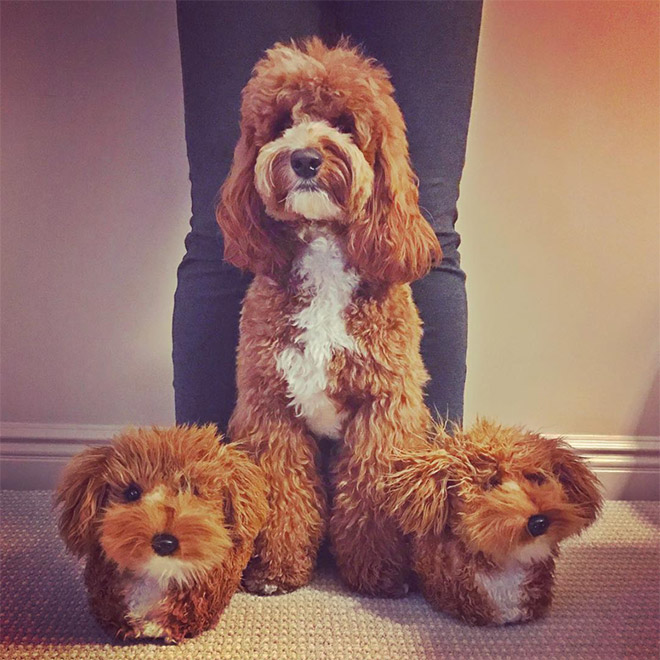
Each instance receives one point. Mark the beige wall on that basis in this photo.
(559, 214)
(95, 203)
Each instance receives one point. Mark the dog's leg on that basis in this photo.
(285, 551)
(372, 554)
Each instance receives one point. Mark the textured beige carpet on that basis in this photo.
(606, 606)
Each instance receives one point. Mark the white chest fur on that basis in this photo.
(142, 598)
(329, 284)
(505, 589)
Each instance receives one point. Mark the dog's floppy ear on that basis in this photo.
(246, 502)
(80, 496)
(252, 240)
(391, 241)
(580, 484)
(416, 492)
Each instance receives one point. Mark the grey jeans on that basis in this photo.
(430, 50)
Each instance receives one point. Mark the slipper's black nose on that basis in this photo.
(164, 544)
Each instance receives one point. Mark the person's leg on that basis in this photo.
(430, 50)
(220, 43)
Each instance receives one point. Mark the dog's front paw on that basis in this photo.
(264, 588)
(387, 587)
(380, 579)
(269, 580)
(397, 589)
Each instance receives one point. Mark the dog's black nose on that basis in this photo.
(538, 525)
(306, 162)
(164, 544)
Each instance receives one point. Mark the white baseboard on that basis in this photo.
(33, 455)
(628, 466)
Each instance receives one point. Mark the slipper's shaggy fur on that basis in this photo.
(486, 509)
(166, 518)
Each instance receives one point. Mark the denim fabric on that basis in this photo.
(430, 50)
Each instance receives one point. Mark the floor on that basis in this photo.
(607, 602)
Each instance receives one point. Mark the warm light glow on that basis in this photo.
(559, 214)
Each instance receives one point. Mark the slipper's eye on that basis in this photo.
(493, 482)
(535, 478)
(132, 493)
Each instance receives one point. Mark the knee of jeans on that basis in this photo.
(204, 246)
(450, 262)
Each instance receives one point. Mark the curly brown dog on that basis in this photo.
(486, 509)
(321, 204)
(166, 518)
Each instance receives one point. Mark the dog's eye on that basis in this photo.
(282, 123)
(493, 482)
(195, 491)
(345, 124)
(535, 478)
(132, 493)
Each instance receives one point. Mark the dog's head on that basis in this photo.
(505, 492)
(164, 502)
(323, 141)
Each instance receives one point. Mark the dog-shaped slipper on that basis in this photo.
(166, 518)
(486, 509)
